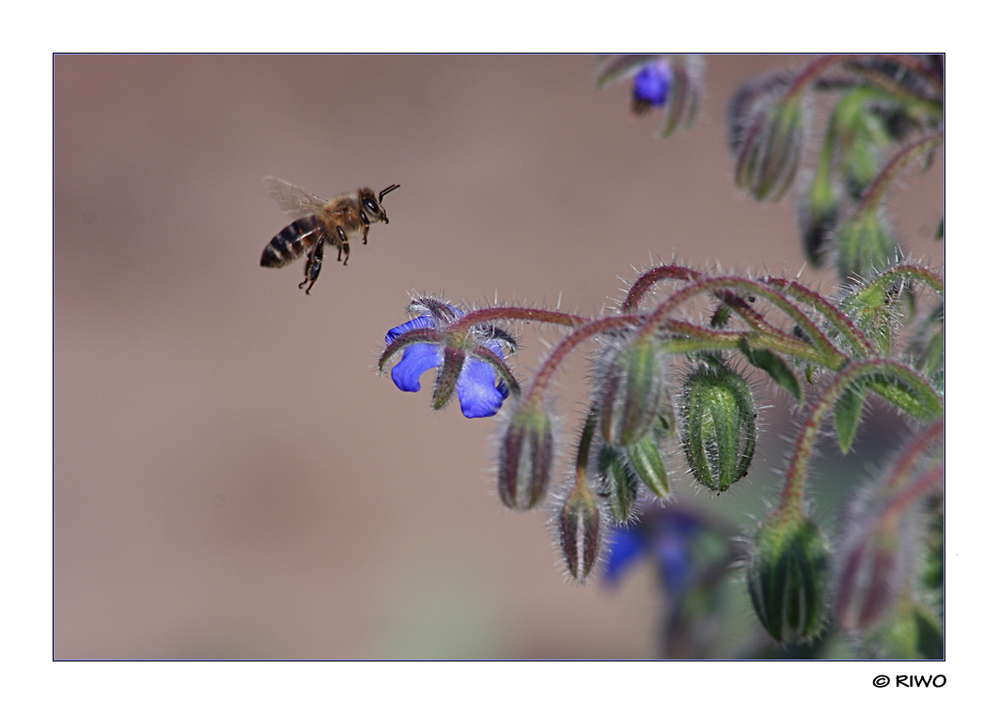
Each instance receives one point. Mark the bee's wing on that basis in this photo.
(292, 199)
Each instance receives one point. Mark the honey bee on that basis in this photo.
(334, 222)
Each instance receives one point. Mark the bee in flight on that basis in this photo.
(334, 222)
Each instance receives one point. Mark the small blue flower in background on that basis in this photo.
(693, 555)
(670, 83)
(668, 536)
(479, 392)
(651, 87)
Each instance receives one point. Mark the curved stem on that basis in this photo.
(914, 272)
(914, 451)
(653, 276)
(832, 355)
(811, 72)
(567, 345)
(792, 497)
(503, 312)
(927, 482)
(827, 310)
(875, 192)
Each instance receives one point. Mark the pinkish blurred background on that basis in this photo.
(232, 478)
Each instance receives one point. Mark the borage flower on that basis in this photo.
(651, 87)
(467, 359)
(671, 83)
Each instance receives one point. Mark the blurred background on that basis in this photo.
(232, 478)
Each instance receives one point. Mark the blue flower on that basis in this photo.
(652, 85)
(479, 392)
(667, 538)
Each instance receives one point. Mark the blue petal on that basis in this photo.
(675, 564)
(652, 84)
(416, 360)
(626, 545)
(477, 391)
(673, 549)
(423, 321)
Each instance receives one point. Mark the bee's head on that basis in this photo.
(373, 207)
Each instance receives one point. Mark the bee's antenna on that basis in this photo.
(381, 195)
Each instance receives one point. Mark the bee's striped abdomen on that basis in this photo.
(294, 240)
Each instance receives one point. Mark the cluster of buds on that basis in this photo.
(667, 391)
(887, 114)
(882, 544)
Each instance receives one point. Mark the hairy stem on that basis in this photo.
(792, 497)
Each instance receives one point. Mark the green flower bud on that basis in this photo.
(719, 427)
(580, 532)
(786, 575)
(525, 457)
(874, 310)
(864, 244)
(633, 391)
(768, 151)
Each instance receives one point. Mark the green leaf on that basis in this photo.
(774, 366)
(919, 400)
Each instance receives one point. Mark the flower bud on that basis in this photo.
(768, 135)
(786, 575)
(874, 310)
(633, 390)
(868, 580)
(818, 212)
(719, 429)
(651, 87)
(580, 531)
(525, 457)
(863, 243)
(875, 556)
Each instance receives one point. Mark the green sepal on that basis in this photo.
(447, 376)
(618, 68)
(619, 483)
(849, 410)
(646, 458)
(773, 365)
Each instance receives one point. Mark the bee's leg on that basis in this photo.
(313, 265)
(344, 246)
(367, 225)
